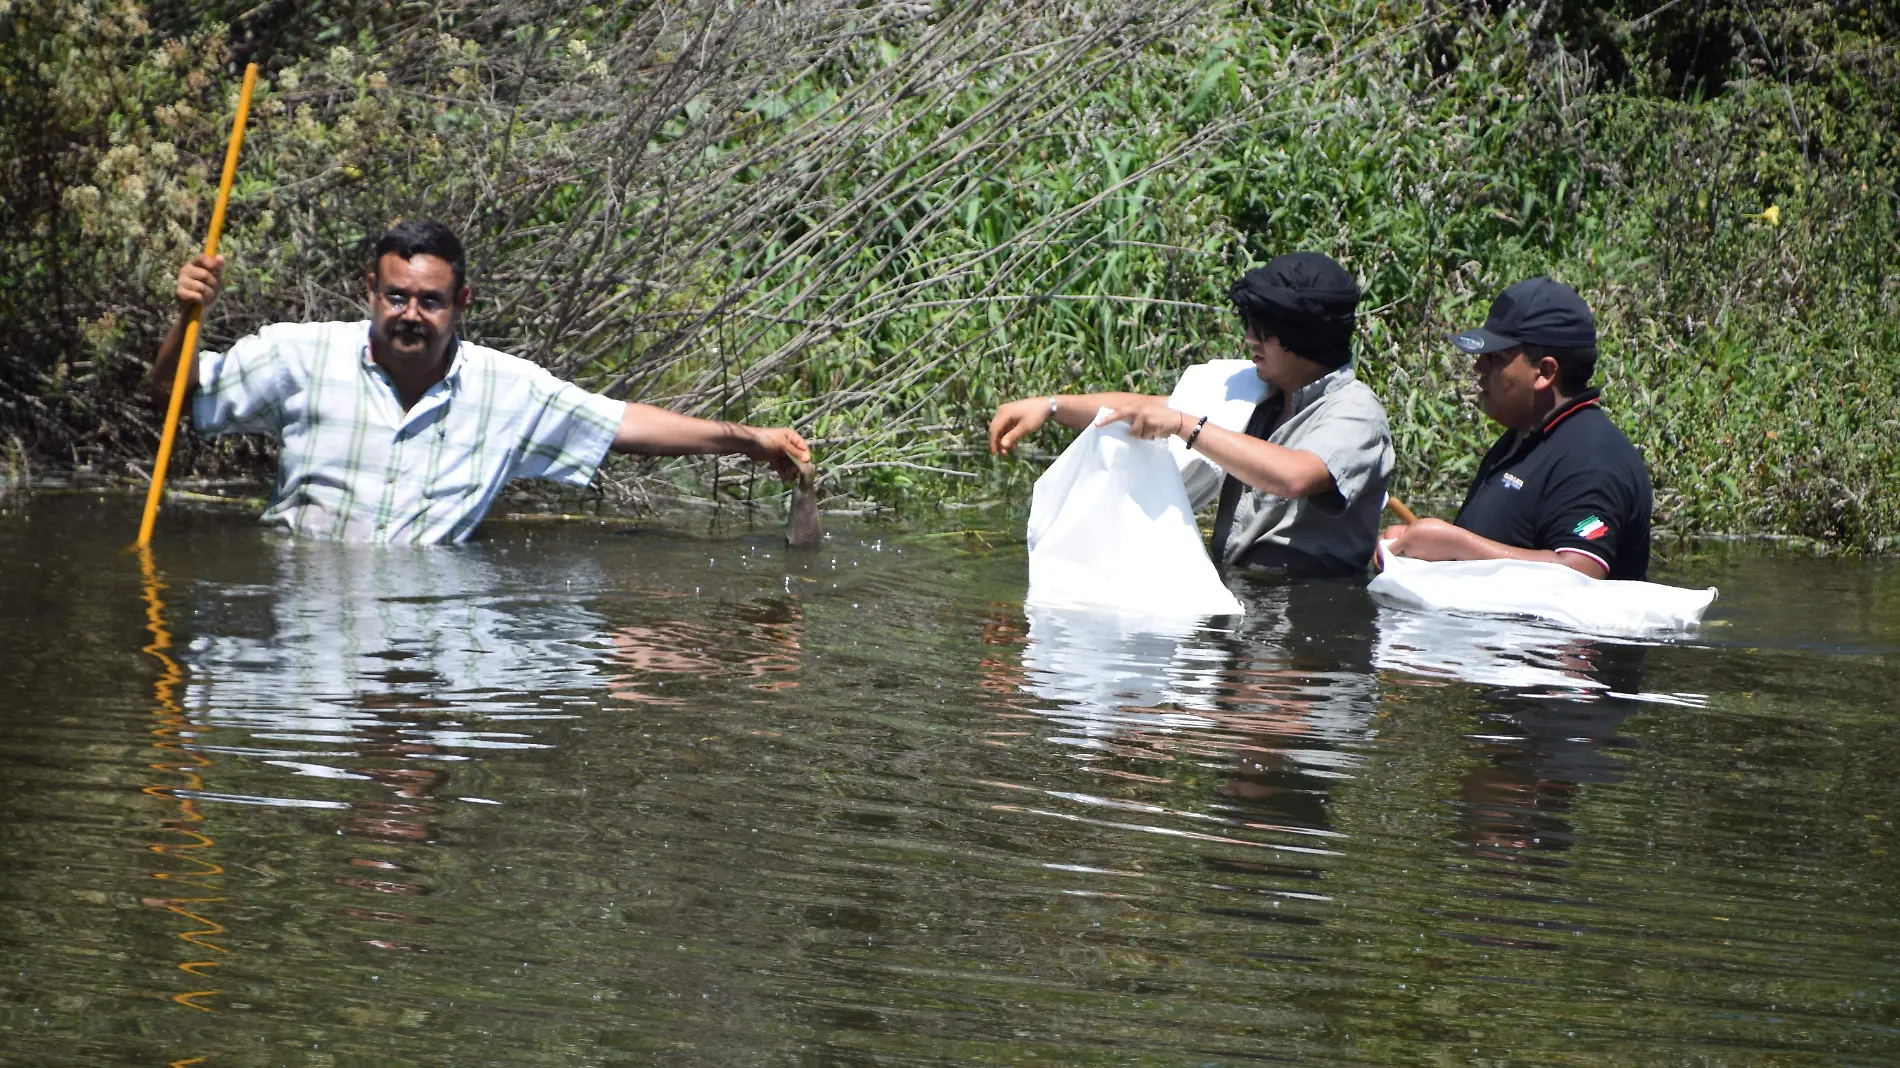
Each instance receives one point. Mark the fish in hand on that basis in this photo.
(804, 532)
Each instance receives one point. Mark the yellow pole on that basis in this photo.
(181, 382)
(1406, 515)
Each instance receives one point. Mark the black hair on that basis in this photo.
(1271, 328)
(423, 237)
(1575, 367)
(1262, 326)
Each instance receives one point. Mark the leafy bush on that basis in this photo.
(876, 220)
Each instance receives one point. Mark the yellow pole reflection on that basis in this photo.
(170, 733)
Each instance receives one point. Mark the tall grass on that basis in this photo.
(876, 220)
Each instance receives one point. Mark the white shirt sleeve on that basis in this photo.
(244, 389)
(568, 434)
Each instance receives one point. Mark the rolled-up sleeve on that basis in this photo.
(1201, 478)
(1356, 447)
(569, 433)
(243, 390)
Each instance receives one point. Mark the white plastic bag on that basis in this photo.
(1225, 391)
(1110, 528)
(1549, 592)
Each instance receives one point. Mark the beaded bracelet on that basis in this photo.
(1197, 431)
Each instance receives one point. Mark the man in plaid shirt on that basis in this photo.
(394, 429)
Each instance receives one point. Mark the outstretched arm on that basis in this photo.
(1020, 418)
(650, 431)
(198, 283)
(1435, 539)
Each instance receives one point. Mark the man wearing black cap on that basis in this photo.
(1305, 482)
(1563, 484)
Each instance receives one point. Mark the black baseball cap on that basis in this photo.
(1537, 311)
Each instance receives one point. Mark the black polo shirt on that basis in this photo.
(1574, 484)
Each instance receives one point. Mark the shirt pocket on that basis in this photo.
(451, 474)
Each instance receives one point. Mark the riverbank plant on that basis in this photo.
(877, 220)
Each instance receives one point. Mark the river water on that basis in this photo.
(583, 794)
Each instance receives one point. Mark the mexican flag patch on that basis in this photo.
(1591, 528)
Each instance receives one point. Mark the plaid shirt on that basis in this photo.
(355, 466)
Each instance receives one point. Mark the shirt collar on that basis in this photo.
(1586, 399)
(452, 377)
(1304, 396)
(1523, 442)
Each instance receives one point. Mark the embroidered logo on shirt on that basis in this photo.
(1511, 481)
(1591, 528)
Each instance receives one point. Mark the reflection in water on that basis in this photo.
(1275, 713)
(1550, 727)
(1298, 690)
(646, 657)
(1286, 702)
(186, 836)
(410, 646)
(386, 669)
(1508, 654)
(1281, 697)
(371, 674)
(1286, 706)
(1109, 675)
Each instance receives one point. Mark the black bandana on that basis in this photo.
(1304, 299)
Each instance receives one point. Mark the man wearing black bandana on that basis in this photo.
(1562, 485)
(1304, 484)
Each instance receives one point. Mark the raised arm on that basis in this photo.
(198, 283)
(649, 431)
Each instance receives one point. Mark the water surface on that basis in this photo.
(584, 794)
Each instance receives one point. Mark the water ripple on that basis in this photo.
(564, 797)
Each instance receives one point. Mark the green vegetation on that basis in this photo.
(877, 219)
